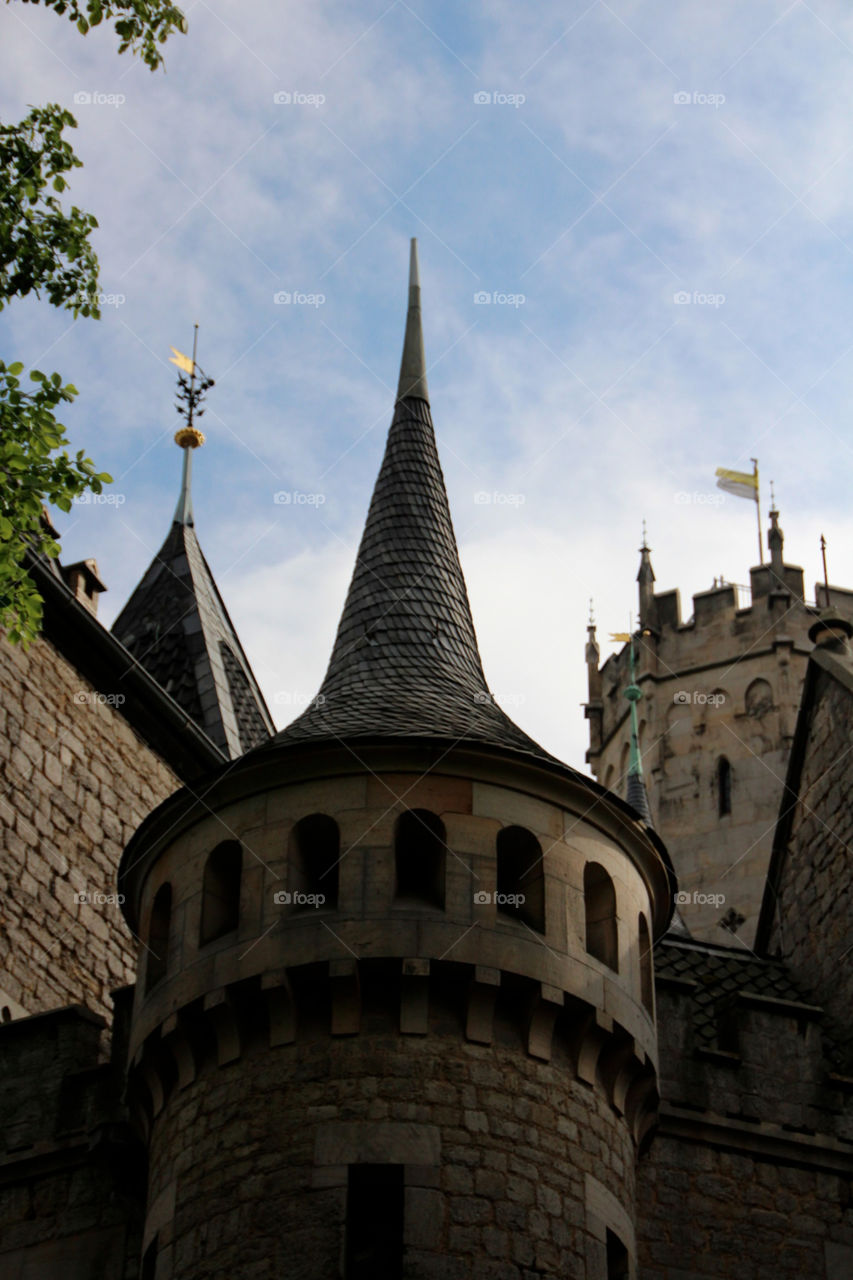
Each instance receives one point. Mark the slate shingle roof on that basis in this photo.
(721, 973)
(177, 627)
(405, 660)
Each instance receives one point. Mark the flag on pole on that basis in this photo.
(740, 483)
(621, 636)
(182, 361)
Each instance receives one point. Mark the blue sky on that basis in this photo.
(627, 153)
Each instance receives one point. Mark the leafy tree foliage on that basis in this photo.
(45, 250)
(141, 25)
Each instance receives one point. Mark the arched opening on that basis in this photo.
(419, 855)
(758, 699)
(159, 923)
(600, 901)
(646, 973)
(521, 877)
(315, 852)
(724, 786)
(220, 897)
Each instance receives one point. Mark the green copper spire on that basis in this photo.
(636, 794)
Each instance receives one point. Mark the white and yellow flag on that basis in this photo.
(740, 483)
(182, 361)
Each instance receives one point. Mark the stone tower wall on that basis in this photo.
(726, 685)
(75, 782)
(510, 1073)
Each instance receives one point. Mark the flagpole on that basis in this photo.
(754, 462)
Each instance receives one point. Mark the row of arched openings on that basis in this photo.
(420, 853)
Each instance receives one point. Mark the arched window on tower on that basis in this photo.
(159, 923)
(419, 855)
(521, 877)
(724, 786)
(315, 852)
(602, 939)
(758, 699)
(220, 898)
(646, 973)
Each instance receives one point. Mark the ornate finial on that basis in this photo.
(591, 613)
(189, 437)
(645, 546)
(825, 575)
(772, 496)
(188, 405)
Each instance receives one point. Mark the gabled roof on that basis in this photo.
(176, 626)
(405, 661)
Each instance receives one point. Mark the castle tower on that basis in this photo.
(720, 699)
(395, 1013)
(177, 627)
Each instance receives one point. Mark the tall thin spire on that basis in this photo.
(413, 380)
(649, 620)
(405, 662)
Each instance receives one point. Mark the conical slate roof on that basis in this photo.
(176, 626)
(405, 661)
